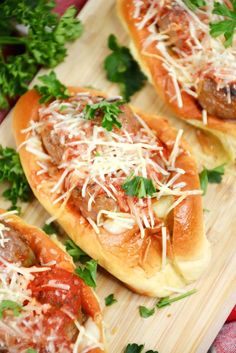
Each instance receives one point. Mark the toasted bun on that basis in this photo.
(136, 262)
(46, 250)
(157, 75)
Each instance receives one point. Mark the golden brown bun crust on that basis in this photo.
(46, 250)
(135, 261)
(159, 77)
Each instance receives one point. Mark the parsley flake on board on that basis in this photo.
(12, 172)
(110, 111)
(135, 348)
(168, 301)
(121, 68)
(139, 186)
(110, 299)
(194, 4)
(212, 176)
(226, 26)
(146, 312)
(42, 44)
(10, 305)
(88, 272)
(52, 88)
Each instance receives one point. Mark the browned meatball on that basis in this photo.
(52, 144)
(16, 249)
(215, 101)
(101, 201)
(128, 120)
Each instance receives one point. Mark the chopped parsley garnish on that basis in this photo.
(135, 348)
(52, 88)
(49, 229)
(139, 187)
(12, 172)
(212, 176)
(227, 26)
(88, 272)
(146, 312)
(194, 4)
(76, 252)
(123, 69)
(168, 301)
(110, 111)
(44, 43)
(31, 350)
(10, 305)
(110, 299)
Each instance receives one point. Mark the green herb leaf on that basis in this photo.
(110, 111)
(75, 252)
(146, 312)
(123, 69)
(139, 187)
(134, 348)
(12, 172)
(88, 273)
(226, 26)
(52, 88)
(31, 350)
(49, 229)
(194, 4)
(10, 305)
(213, 176)
(110, 299)
(44, 43)
(168, 301)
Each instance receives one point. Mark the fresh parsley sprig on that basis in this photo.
(10, 305)
(31, 350)
(110, 299)
(110, 111)
(11, 172)
(88, 270)
(135, 348)
(168, 301)
(121, 68)
(194, 4)
(212, 176)
(49, 229)
(227, 26)
(51, 88)
(43, 44)
(139, 187)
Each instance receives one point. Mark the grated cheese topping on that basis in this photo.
(188, 51)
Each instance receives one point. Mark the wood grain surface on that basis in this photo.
(190, 325)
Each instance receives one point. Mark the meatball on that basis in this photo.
(215, 101)
(16, 249)
(101, 201)
(52, 144)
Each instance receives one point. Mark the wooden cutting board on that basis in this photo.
(188, 326)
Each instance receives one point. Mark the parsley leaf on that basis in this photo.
(135, 348)
(110, 299)
(44, 43)
(123, 69)
(227, 26)
(75, 252)
(88, 272)
(12, 172)
(212, 176)
(31, 350)
(52, 88)
(146, 312)
(110, 112)
(194, 4)
(139, 187)
(10, 305)
(49, 229)
(168, 301)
